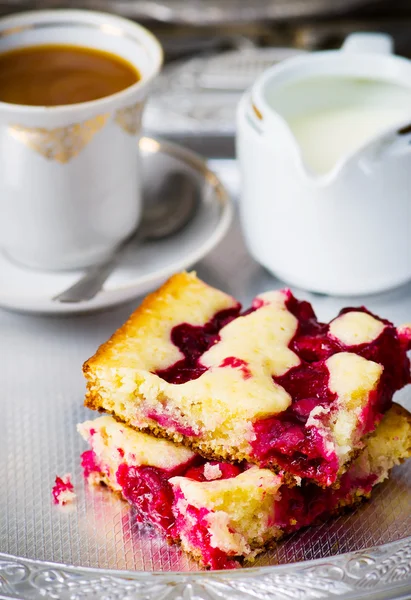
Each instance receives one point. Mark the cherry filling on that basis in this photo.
(166, 420)
(302, 506)
(193, 525)
(302, 452)
(193, 341)
(90, 463)
(147, 488)
(237, 363)
(285, 439)
(149, 492)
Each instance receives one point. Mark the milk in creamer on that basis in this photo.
(331, 117)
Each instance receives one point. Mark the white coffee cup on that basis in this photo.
(346, 231)
(70, 175)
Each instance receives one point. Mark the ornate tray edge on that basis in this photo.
(378, 572)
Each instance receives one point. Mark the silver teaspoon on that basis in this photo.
(165, 213)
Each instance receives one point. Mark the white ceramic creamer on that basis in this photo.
(325, 158)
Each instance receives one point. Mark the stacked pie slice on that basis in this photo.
(231, 428)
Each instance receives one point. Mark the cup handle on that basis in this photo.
(377, 43)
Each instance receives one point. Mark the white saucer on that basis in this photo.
(146, 265)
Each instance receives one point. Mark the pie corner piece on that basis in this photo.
(271, 385)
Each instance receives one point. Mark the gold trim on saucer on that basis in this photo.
(129, 119)
(62, 143)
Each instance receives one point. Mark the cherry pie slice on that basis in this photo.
(223, 512)
(270, 385)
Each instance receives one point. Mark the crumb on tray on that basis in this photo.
(63, 490)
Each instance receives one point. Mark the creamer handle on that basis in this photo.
(394, 144)
(379, 43)
(398, 143)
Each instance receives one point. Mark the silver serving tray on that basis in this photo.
(366, 554)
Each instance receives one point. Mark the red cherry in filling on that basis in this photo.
(89, 463)
(193, 341)
(199, 536)
(148, 491)
(313, 348)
